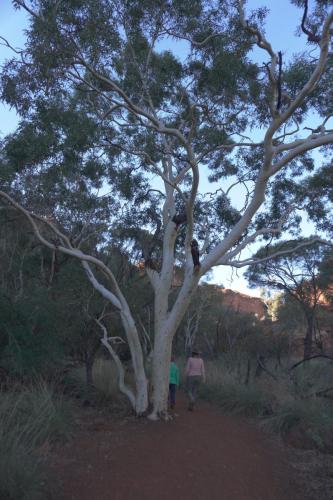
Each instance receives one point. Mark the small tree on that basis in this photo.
(296, 274)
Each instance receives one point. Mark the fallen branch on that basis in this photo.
(308, 359)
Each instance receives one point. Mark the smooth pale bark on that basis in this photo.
(121, 374)
(141, 382)
(166, 324)
(140, 402)
(160, 374)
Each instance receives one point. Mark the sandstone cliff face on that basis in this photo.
(244, 303)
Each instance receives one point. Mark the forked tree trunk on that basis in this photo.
(166, 324)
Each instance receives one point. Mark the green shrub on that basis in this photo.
(238, 399)
(314, 417)
(311, 377)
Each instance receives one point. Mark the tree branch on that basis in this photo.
(121, 372)
(252, 261)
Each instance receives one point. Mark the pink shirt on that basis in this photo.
(195, 366)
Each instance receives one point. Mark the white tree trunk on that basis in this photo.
(133, 339)
(166, 324)
(141, 383)
(160, 373)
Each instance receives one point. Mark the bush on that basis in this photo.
(239, 399)
(28, 419)
(313, 418)
(105, 379)
(224, 388)
(313, 376)
(287, 404)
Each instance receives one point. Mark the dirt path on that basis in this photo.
(198, 456)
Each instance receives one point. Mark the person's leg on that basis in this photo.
(190, 392)
(195, 389)
(172, 395)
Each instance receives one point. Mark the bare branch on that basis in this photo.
(195, 43)
(69, 250)
(311, 36)
(253, 261)
(324, 356)
(298, 148)
(7, 44)
(279, 83)
(265, 45)
(316, 74)
(121, 372)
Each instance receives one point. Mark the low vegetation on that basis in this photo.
(30, 419)
(295, 405)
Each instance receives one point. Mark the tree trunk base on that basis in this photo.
(154, 416)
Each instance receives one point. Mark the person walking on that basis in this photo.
(195, 372)
(173, 382)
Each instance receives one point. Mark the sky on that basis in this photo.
(281, 25)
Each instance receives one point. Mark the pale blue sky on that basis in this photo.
(281, 25)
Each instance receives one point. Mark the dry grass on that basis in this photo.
(105, 377)
(29, 418)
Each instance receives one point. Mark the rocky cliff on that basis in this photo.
(244, 303)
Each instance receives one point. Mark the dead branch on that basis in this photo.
(312, 37)
(279, 83)
(325, 356)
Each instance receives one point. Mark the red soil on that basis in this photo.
(198, 456)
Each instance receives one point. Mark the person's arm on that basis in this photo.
(187, 369)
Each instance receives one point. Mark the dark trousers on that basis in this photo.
(172, 394)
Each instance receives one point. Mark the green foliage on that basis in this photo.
(288, 404)
(314, 418)
(30, 346)
(135, 46)
(223, 388)
(238, 399)
(311, 378)
(110, 95)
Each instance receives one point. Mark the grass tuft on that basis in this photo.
(29, 418)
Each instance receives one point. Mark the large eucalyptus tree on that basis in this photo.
(174, 94)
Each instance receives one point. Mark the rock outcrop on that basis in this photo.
(244, 303)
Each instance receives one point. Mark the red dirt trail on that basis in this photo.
(198, 456)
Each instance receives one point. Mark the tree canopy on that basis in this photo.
(127, 108)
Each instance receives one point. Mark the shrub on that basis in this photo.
(223, 387)
(105, 379)
(313, 417)
(28, 419)
(239, 399)
(310, 378)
